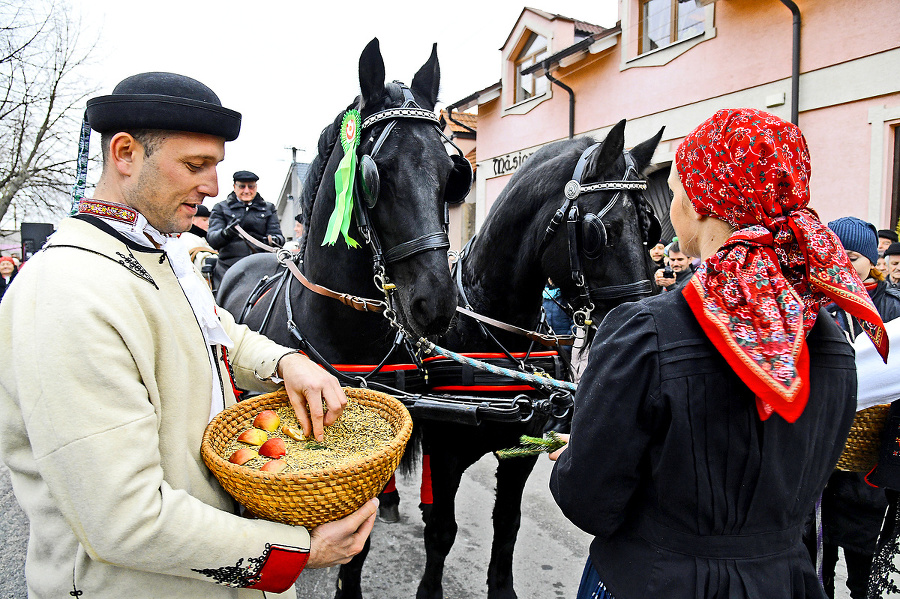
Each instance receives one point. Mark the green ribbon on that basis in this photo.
(339, 222)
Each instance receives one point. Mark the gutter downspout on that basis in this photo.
(795, 70)
(453, 120)
(571, 98)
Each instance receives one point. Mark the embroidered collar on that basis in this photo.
(109, 211)
(125, 220)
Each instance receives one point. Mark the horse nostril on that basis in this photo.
(431, 314)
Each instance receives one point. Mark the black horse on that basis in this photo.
(406, 225)
(503, 274)
(530, 235)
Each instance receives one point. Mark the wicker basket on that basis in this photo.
(864, 442)
(305, 498)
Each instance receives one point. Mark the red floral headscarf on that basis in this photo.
(758, 296)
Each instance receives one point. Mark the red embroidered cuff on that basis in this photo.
(280, 569)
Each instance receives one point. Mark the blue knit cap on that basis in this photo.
(857, 236)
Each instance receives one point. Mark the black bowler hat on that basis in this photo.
(245, 176)
(165, 101)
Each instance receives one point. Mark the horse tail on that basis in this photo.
(413, 453)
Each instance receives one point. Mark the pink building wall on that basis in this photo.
(751, 48)
(839, 139)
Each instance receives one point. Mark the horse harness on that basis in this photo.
(590, 237)
(587, 233)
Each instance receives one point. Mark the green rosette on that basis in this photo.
(339, 222)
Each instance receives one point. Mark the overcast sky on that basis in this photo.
(290, 66)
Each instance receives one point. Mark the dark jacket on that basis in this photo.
(852, 510)
(688, 493)
(4, 285)
(258, 218)
(681, 278)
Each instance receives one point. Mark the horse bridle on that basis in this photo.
(587, 233)
(368, 183)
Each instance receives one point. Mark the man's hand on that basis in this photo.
(555, 455)
(229, 231)
(662, 281)
(337, 542)
(307, 386)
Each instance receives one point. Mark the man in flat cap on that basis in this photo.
(243, 207)
(892, 260)
(117, 358)
(885, 238)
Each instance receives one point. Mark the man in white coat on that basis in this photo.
(117, 358)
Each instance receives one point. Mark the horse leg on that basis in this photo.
(348, 585)
(440, 528)
(511, 478)
(389, 502)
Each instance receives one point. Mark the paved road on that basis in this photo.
(548, 559)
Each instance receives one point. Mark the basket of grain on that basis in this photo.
(285, 477)
(864, 441)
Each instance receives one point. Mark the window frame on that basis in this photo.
(673, 26)
(518, 67)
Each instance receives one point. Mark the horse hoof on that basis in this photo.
(389, 513)
(426, 511)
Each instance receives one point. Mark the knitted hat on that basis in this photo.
(893, 250)
(13, 262)
(857, 236)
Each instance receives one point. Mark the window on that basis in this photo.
(534, 51)
(666, 21)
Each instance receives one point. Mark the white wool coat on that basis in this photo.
(104, 397)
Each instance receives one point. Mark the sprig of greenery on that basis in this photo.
(532, 446)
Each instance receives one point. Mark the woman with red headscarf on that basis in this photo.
(709, 420)
(8, 272)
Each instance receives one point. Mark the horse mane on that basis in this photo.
(316, 171)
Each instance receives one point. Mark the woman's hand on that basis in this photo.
(555, 455)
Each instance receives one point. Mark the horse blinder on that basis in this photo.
(368, 183)
(593, 235)
(459, 182)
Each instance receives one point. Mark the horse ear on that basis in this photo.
(610, 151)
(643, 152)
(428, 79)
(371, 74)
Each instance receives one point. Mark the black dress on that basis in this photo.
(688, 493)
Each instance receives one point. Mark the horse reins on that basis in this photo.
(568, 211)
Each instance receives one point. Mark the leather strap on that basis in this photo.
(423, 243)
(254, 241)
(543, 339)
(357, 303)
(615, 291)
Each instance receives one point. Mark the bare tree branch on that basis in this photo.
(41, 98)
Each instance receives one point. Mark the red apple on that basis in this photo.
(273, 448)
(292, 433)
(242, 456)
(274, 466)
(267, 420)
(253, 436)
